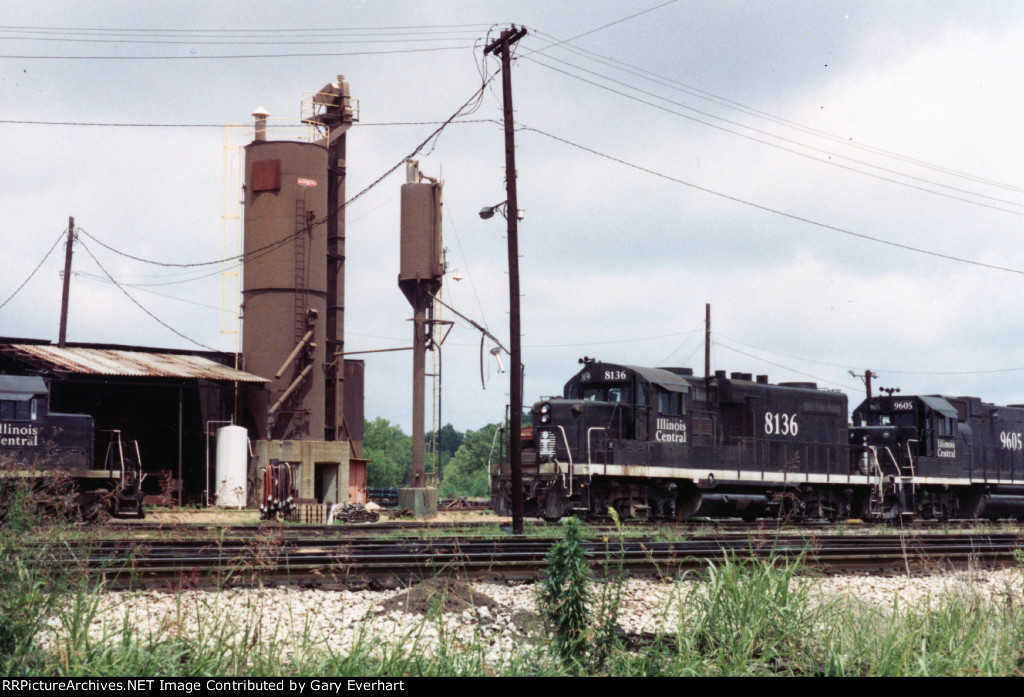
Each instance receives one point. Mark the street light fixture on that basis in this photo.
(487, 212)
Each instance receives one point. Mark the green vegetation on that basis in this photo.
(389, 452)
(461, 457)
(738, 617)
(466, 473)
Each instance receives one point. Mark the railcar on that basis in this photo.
(663, 443)
(38, 445)
(939, 456)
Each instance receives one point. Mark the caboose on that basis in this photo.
(940, 457)
(663, 443)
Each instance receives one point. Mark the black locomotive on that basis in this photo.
(38, 446)
(663, 443)
(939, 456)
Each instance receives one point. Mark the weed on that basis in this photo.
(564, 596)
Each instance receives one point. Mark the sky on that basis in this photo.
(840, 181)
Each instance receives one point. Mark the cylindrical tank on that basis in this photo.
(285, 280)
(421, 263)
(232, 463)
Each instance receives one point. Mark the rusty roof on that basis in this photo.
(94, 361)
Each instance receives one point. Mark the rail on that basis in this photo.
(346, 560)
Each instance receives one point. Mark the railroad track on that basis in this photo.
(705, 527)
(347, 561)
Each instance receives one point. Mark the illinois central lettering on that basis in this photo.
(19, 436)
(670, 431)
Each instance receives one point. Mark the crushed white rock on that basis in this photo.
(339, 620)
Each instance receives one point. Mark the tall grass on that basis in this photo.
(739, 617)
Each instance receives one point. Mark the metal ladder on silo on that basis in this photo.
(301, 291)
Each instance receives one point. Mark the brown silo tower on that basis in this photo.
(293, 296)
(285, 287)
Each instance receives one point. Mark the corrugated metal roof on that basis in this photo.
(88, 361)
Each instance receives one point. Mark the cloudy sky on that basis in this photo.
(841, 181)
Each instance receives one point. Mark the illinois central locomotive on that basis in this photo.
(663, 443)
(38, 447)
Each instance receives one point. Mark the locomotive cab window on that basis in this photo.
(670, 403)
(18, 410)
(617, 395)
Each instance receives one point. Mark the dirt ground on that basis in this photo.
(448, 595)
(218, 516)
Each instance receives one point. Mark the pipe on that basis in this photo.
(291, 388)
(295, 352)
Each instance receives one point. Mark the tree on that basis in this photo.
(466, 474)
(389, 451)
(448, 442)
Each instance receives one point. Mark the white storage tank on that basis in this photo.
(232, 465)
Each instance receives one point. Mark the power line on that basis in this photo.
(218, 125)
(254, 32)
(101, 279)
(140, 305)
(605, 26)
(775, 211)
(38, 266)
(273, 245)
(784, 367)
(251, 56)
(751, 111)
(880, 370)
(821, 151)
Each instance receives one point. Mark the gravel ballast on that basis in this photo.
(500, 616)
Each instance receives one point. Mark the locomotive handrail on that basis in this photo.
(910, 455)
(895, 463)
(590, 459)
(873, 460)
(568, 453)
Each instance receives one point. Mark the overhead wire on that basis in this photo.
(255, 253)
(691, 90)
(138, 304)
(820, 151)
(103, 279)
(248, 56)
(880, 370)
(611, 24)
(252, 31)
(768, 209)
(220, 125)
(33, 273)
(784, 367)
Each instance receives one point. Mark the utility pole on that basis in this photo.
(866, 378)
(67, 285)
(707, 340)
(503, 43)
